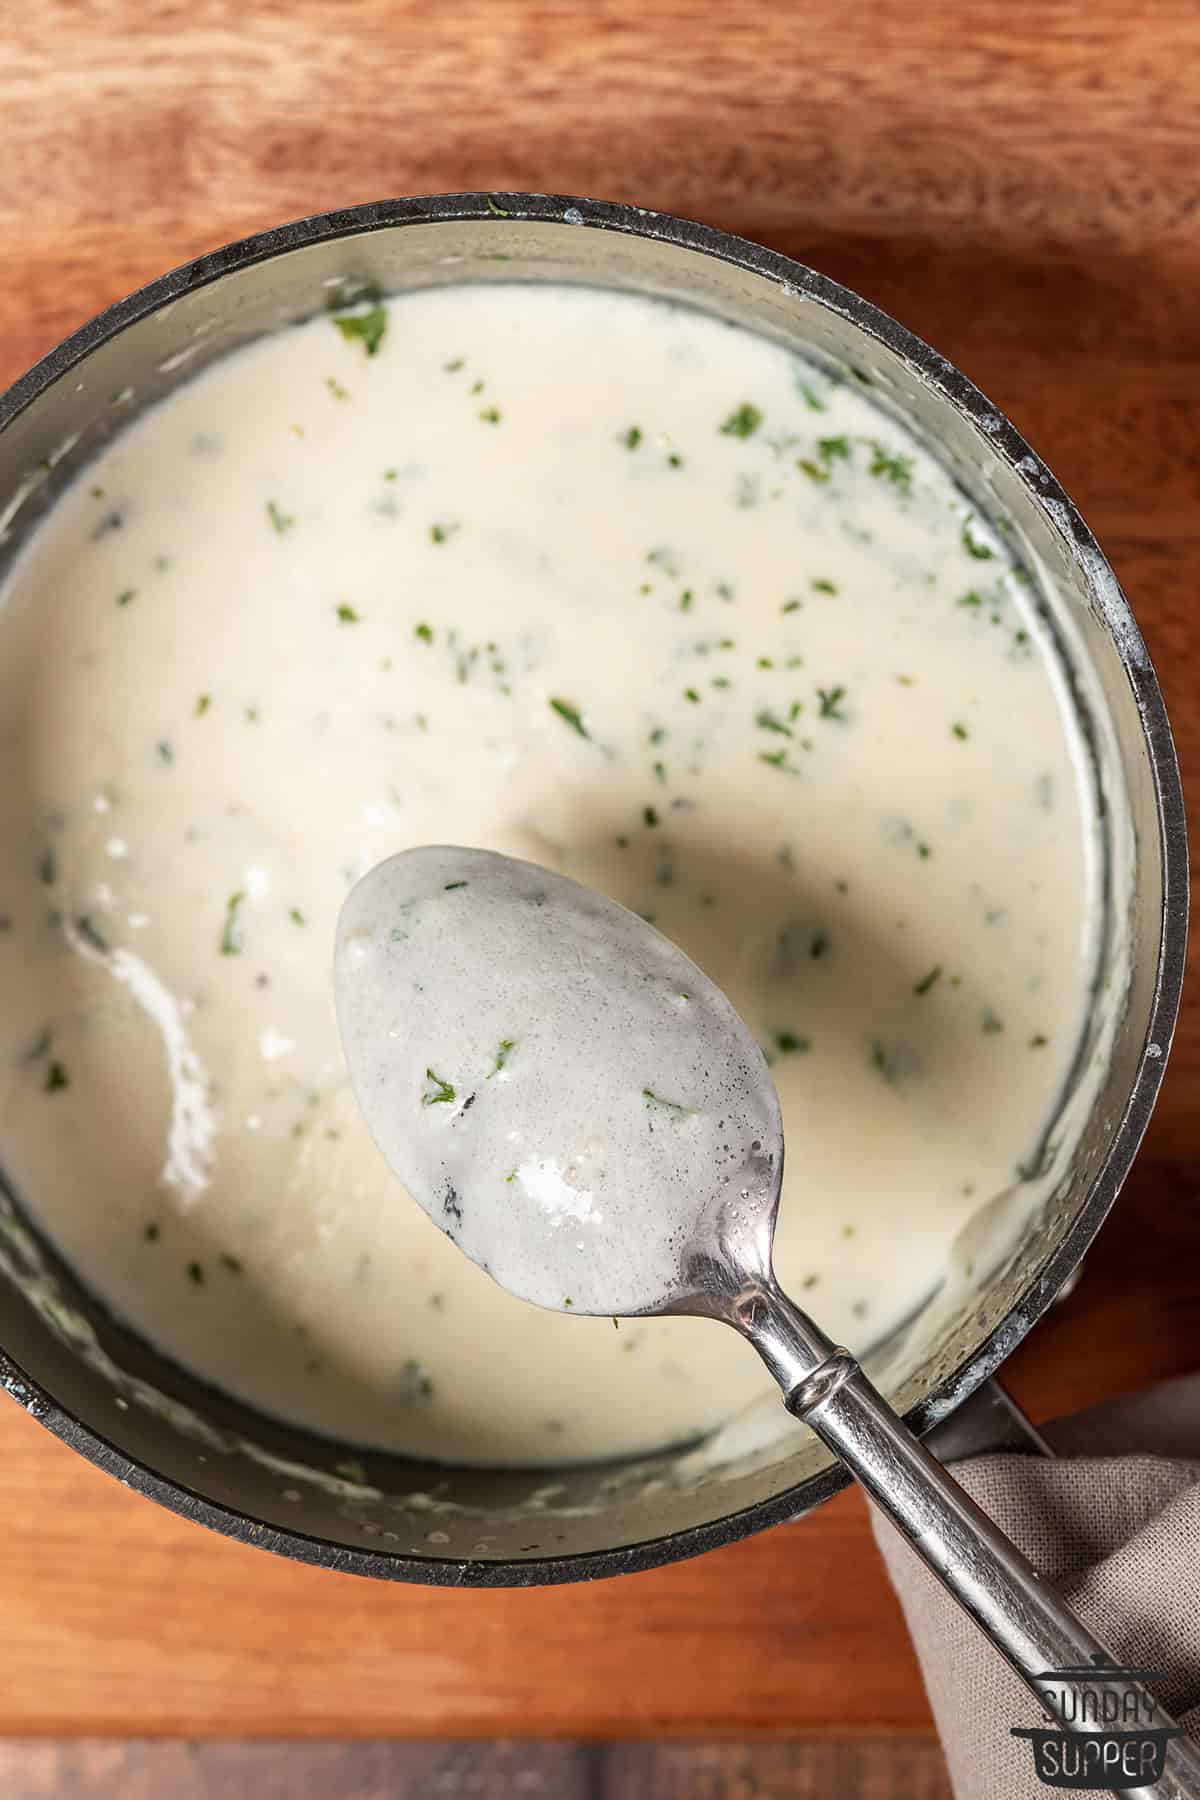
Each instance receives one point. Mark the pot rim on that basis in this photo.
(955, 390)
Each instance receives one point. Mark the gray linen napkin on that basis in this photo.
(1114, 1522)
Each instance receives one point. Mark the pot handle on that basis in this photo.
(988, 1422)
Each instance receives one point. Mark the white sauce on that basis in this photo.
(586, 580)
(565, 1093)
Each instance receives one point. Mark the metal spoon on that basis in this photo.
(452, 942)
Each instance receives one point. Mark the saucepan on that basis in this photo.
(116, 1401)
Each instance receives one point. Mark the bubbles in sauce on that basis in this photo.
(580, 578)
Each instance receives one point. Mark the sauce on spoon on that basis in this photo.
(561, 1088)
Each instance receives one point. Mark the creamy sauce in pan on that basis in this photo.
(594, 582)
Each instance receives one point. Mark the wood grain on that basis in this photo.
(1020, 185)
(888, 1769)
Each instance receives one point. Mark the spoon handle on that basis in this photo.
(989, 1577)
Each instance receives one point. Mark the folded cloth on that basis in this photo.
(1113, 1521)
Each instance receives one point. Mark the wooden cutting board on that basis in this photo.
(1021, 185)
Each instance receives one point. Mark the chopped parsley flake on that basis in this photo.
(347, 615)
(692, 695)
(768, 721)
(960, 731)
(231, 933)
(632, 437)
(441, 534)
(56, 1079)
(424, 632)
(974, 546)
(570, 715)
(366, 328)
(787, 1042)
(777, 759)
(1038, 1041)
(825, 587)
(650, 817)
(831, 701)
(203, 702)
(443, 1091)
(743, 422)
(505, 1049)
(490, 415)
(927, 981)
(126, 595)
(896, 469)
(279, 519)
(296, 916)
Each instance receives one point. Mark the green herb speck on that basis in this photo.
(1038, 1041)
(825, 587)
(960, 731)
(196, 1274)
(692, 695)
(632, 437)
(766, 720)
(56, 1079)
(443, 1091)
(743, 422)
(347, 615)
(650, 817)
(787, 1043)
(366, 328)
(424, 632)
(441, 534)
(490, 415)
(231, 933)
(126, 595)
(279, 519)
(831, 701)
(927, 981)
(893, 468)
(570, 715)
(203, 702)
(975, 546)
(296, 916)
(503, 1052)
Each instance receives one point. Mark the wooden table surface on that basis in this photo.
(1020, 184)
